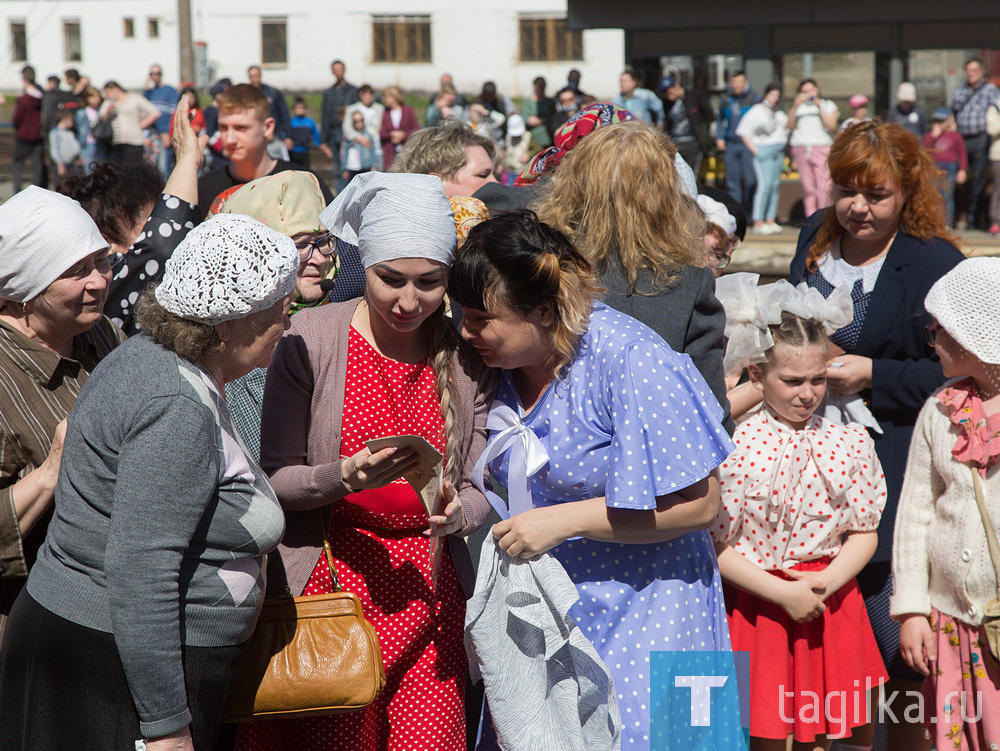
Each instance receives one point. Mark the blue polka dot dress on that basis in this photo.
(632, 420)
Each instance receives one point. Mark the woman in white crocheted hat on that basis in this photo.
(386, 365)
(151, 576)
(943, 561)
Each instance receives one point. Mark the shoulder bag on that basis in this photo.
(308, 656)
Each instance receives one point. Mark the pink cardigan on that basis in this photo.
(300, 439)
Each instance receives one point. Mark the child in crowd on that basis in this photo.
(360, 148)
(948, 149)
(943, 564)
(84, 120)
(519, 148)
(859, 111)
(304, 134)
(802, 497)
(64, 147)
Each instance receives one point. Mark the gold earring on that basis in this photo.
(222, 346)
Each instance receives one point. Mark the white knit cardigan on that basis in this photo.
(940, 556)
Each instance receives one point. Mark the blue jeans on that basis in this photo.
(947, 188)
(767, 165)
(741, 180)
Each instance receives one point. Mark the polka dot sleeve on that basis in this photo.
(666, 426)
(867, 494)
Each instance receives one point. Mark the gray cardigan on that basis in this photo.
(300, 439)
(685, 313)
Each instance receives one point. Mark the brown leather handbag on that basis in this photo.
(313, 655)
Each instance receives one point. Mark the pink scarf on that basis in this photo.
(978, 441)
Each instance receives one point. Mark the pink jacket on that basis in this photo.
(300, 439)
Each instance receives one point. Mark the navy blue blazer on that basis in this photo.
(905, 370)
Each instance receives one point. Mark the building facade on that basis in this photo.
(382, 42)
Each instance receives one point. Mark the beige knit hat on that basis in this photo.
(966, 302)
(289, 202)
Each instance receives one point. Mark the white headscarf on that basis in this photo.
(716, 213)
(390, 216)
(42, 234)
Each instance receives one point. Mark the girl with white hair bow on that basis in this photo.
(802, 497)
(388, 364)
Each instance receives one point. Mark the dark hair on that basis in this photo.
(299, 100)
(338, 61)
(366, 88)
(977, 60)
(72, 74)
(539, 81)
(192, 90)
(524, 263)
(804, 81)
(54, 79)
(565, 89)
(28, 72)
(113, 85)
(773, 86)
(116, 196)
(489, 89)
(739, 72)
(630, 71)
(254, 67)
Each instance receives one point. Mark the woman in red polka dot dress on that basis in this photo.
(386, 365)
(801, 502)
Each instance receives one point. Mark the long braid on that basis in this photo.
(444, 343)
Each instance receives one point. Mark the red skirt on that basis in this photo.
(808, 679)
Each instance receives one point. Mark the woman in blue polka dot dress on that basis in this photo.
(607, 441)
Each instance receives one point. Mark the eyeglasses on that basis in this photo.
(932, 332)
(720, 261)
(323, 243)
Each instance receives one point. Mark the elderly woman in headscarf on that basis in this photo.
(289, 203)
(387, 365)
(151, 576)
(54, 275)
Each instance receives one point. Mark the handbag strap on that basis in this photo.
(328, 552)
(991, 534)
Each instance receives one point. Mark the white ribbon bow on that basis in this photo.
(527, 457)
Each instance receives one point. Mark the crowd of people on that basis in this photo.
(192, 373)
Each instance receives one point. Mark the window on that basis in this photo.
(18, 42)
(128, 28)
(153, 28)
(273, 41)
(401, 39)
(548, 39)
(72, 49)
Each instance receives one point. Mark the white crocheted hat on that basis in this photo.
(966, 302)
(227, 268)
(42, 234)
(390, 216)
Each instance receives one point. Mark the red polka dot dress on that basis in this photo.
(382, 556)
(788, 498)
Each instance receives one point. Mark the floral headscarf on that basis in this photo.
(587, 120)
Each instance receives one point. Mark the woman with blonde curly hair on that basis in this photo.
(618, 197)
(885, 237)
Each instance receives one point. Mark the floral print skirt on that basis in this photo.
(962, 693)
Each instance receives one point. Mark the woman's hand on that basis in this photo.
(849, 374)
(366, 470)
(179, 741)
(533, 532)
(800, 600)
(187, 144)
(452, 519)
(50, 467)
(916, 643)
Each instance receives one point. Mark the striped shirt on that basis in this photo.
(37, 390)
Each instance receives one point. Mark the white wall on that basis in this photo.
(479, 43)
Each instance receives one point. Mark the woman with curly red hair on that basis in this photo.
(885, 237)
